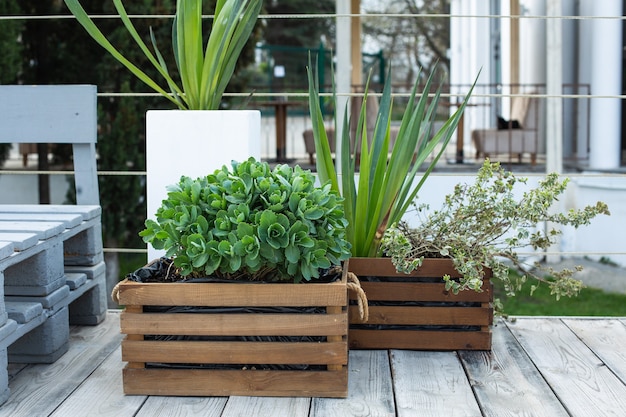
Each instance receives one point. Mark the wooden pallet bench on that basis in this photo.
(53, 274)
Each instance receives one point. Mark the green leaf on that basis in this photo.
(204, 74)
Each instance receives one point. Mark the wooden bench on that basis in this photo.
(52, 270)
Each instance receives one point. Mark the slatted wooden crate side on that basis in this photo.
(221, 383)
(434, 318)
(137, 321)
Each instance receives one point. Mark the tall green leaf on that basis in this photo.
(388, 174)
(204, 75)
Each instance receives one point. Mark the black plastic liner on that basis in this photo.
(163, 270)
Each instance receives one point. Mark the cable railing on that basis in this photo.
(577, 172)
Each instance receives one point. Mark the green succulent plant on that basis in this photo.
(251, 222)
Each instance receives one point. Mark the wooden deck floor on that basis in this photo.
(538, 367)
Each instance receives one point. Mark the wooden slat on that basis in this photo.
(576, 375)
(431, 384)
(235, 352)
(421, 340)
(239, 294)
(70, 220)
(606, 338)
(369, 387)
(48, 113)
(506, 382)
(183, 406)
(101, 395)
(20, 241)
(234, 324)
(87, 211)
(424, 292)
(45, 230)
(409, 315)
(249, 382)
(6, 249)
(267, 406)
(434, 268)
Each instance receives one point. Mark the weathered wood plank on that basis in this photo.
(576, 375)
(370, 392)
(606, 338)
(431, 384)
(506, 382)
(101, 394)
(37, 390)
(183, 407)
(279, 407)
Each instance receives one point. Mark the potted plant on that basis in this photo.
(183, 135)
(378, 193)
(475, 235)
(247, 234)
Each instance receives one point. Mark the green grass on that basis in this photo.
(590, 302)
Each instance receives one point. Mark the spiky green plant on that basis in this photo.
(387, 181)
(204, 75)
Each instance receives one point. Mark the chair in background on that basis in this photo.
(519, 141)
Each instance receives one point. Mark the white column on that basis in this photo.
(554, 104)
(459, 54)
(505, 57)
(606, 80)
(470, 53)
(585, 30)
(343, 70)
(532, 43)
(569, 78)
(554, 83)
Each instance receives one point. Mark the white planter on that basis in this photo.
(194, 143)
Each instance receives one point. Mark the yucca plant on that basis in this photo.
(204, 75)
(386, 183)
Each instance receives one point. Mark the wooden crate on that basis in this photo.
(415, 311)
(224, 364)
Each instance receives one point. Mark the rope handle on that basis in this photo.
(354, 285)
(115, 294)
